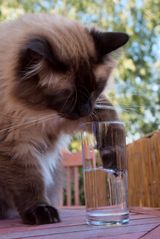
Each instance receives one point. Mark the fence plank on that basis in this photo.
(144, 171)
(68, 186)
(76, 186)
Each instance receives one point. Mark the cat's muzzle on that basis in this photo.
(80, 111)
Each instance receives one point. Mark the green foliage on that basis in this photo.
(75, 144)
(137, 79)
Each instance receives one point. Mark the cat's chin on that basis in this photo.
(83, 112)
(72, 117)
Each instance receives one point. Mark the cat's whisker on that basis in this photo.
(44, 120)
(121, 105)
(69, 97)
(133, 94)
(93, 116)
(76, 96)
(73, 103)
(33, 69)
(12, 116)
(27, 123)
(85, 91)
(132, 107)
(75, 99)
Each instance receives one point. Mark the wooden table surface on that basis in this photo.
(144, 223)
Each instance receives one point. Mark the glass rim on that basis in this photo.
(102, 122)
(104, 106)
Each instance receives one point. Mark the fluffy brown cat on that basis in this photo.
(52, 71)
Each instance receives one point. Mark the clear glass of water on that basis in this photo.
(105, 173)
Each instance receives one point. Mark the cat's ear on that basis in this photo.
(41, 48)
(33, 52)
(106, 42)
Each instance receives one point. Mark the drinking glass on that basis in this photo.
(105, 172)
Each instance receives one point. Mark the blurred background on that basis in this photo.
(136, 87)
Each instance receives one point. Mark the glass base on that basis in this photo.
(107, 219)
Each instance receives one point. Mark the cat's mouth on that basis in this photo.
(71, 116)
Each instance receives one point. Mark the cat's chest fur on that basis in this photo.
(49, 162)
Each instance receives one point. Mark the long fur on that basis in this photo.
(31, 138)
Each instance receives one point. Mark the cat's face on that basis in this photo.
(65, 72)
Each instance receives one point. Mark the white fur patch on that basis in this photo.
(49, 162)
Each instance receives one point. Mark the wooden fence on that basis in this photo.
(144, 171)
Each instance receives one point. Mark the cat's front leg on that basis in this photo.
(40, 214)
(33, 203)
(24, 180)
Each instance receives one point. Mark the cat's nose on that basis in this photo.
(85, 109)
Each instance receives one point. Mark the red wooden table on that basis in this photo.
(144, 223)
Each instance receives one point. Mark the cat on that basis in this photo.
(52, 72)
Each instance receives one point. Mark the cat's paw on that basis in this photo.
(41, 214)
